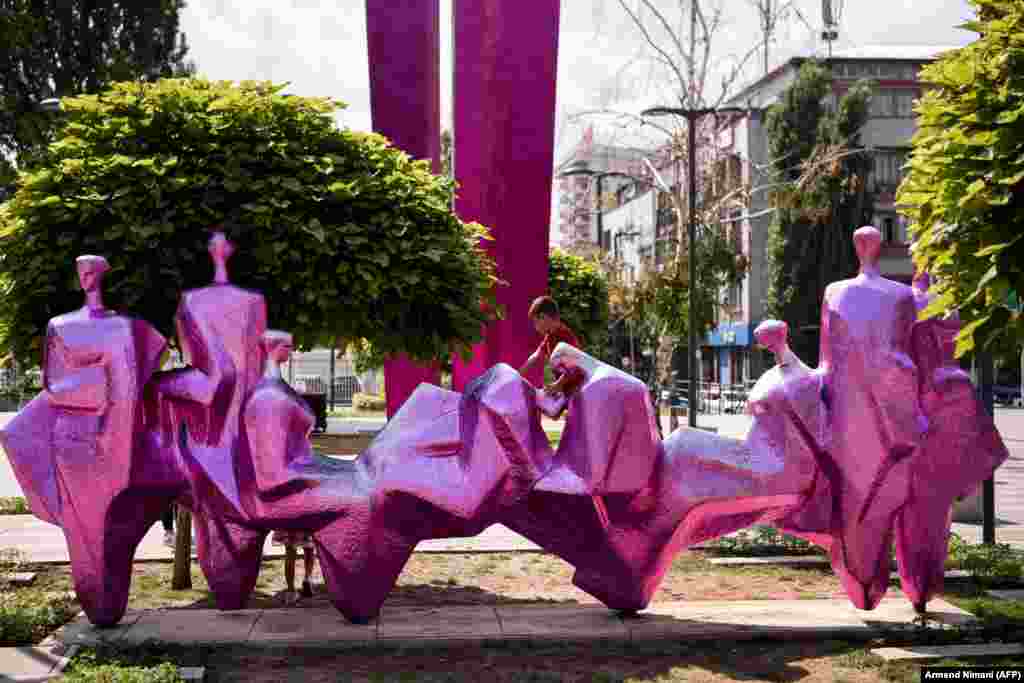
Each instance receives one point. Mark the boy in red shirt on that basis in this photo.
(546, 320)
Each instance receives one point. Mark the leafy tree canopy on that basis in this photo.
(581, 290)
(820, 169)
(345, 235)
(58, 48)
(965, 188)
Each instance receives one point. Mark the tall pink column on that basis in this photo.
(404, 53)
(505, 69)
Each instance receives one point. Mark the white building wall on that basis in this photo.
(637, 215)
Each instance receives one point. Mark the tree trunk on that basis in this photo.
(182, 576)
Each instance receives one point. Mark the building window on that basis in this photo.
(893, 103)
(888, 169)
(889, 230)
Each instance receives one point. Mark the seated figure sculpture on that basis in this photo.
(838, 455)
(77, 448)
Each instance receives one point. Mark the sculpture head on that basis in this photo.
(221, 249)
(773, 335)
(868, 243)
(278, 346)
(90, 272)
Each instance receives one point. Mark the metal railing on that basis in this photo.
(713, 398)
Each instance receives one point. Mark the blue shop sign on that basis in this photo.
(732, 334)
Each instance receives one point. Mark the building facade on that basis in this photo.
(638, 220)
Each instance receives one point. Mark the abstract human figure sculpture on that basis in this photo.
(220, 328)
(961, 448)
(839, 454)
(875, 418)
(77, 448)
(791, 418)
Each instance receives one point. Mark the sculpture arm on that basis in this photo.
(84, 389)
(186, 384)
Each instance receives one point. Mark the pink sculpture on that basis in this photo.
(961, 449)
(842, 455)
(220, 329)
(78, 449)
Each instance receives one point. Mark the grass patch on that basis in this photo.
(106, 665)
(15, 505)
(30, 613)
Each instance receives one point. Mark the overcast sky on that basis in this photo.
(319, 46)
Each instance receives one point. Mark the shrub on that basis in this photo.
(14, 506)
(369, 402)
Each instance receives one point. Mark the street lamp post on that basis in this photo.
(691, 116)
(624, 236)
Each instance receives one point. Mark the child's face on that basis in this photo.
(543, 324)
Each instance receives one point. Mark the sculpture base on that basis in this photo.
(446, 626)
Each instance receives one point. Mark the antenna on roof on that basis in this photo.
(831, 32)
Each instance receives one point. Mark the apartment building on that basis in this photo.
(638, 229)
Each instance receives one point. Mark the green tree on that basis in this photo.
(964, 192)
(819, 166)
(58, 48)
(345, 235)
(581, 290)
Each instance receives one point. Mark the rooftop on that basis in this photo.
(908, 52)
(915, 53)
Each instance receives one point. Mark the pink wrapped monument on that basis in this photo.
(873, 445)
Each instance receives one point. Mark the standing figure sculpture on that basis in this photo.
(961, 448)
(220, 329)
(875, 418)
(78, 449)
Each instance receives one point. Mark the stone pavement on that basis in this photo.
(298, 628)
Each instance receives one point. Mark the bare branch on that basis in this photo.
(650, 41)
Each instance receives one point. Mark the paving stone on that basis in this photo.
(192, 674)
(950, 651)
(791, 560)
(1007, 594)
(559, 623)
(438, 625)
(309, 627)
(748, 619)
(81, 632)
(33, 663)
(189, 626)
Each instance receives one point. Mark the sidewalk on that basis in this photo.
(317, 628)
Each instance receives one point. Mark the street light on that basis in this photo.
(691, 116)
(627, 236)
(582, 168)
